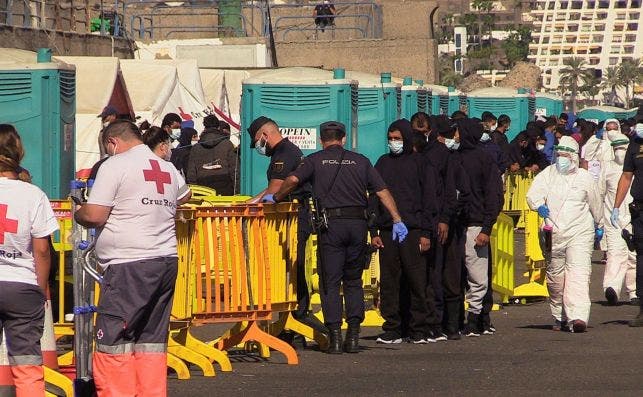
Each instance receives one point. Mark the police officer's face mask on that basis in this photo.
(260, 146)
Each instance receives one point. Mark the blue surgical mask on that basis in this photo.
(396, 147)
(563, 164)
(261, 147)
(485, 137)
(451, 144)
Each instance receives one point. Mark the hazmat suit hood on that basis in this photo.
(470, 131)
(612, 134)
(405, 128)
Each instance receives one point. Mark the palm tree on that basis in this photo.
(572, 76)
(591, 87)
(611, 82)
(486, 6)
(630, 72)
(469, 22)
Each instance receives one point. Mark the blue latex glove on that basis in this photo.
(598, 233)
(268, 198)
(543, 211)
(614, 218)
(399, 231)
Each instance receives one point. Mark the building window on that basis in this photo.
(613, 61)
(636, 4)
(632, 27)
(619, 28)
(594, 61)
(563, 5)
(615, 49)
(601, 15)
(630, 38)
(621, 4)
(634, 15)
(546, 40)
(617, 39)
(620, 17)
(551, 5)
(628, 50)
(604, 4)
(597, 38)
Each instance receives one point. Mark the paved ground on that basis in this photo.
(524, 357)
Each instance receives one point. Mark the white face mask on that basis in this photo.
(540, 147)
(194, 142)
(396, 147)
(261, 148)
(493, 127)
(619, 157)
(451, 144)
(175, 144)
(564, 165)
(176, 133)
(612, 134)
(638, 129)
(105, 124)
(485, 137)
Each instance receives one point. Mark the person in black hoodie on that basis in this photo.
(214, 161)
(437, 155)
(483, 211)
(409, 180)
(181, 154)
(452, 250)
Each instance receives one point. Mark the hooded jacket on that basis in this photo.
(438, 156)
(214, 163)
(484, 178)
(406, 175)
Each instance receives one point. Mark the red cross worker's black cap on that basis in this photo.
(255, 126)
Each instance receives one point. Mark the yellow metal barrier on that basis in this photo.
(502, 254)
(516, 187)
(534, 259)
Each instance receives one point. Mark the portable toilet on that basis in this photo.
(457, 100)
(602, 113)
(38, 97)
(548, 105)
(413, 98)
(298, 99)
(437, 99)
(517, 104)
(378, 101)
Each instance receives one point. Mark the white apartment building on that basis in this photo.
(603, 32)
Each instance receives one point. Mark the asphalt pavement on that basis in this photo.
(525, 357)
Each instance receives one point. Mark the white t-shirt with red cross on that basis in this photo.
(142, 190)
(25, 213)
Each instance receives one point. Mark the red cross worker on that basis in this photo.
(132, 204)
(26, 221)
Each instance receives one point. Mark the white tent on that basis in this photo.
(158, 87)
(222, 90)
(99, 83)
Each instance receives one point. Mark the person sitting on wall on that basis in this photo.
(324, 15)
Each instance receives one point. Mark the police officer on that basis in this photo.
(285, 157)
(633, 169)
(340, 180)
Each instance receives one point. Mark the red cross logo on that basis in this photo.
(6, 225)
(157, 176)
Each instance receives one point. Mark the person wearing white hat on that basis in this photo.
(621, 262)
(566, 195)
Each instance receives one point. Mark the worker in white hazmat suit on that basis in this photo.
(621, 262)
(597, 150)
(567, 196)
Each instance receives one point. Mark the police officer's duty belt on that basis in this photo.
(346, 212)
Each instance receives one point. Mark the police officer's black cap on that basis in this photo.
(255, 126)
(332, 125)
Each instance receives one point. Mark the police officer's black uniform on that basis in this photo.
(634, 163)
(285, 157)
(342, 245)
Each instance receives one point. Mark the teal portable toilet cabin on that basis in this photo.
(378, 105)
(548, 105)
(413, 98)
(298, 99)
(602, 113)
(38, 97)
(437, 99)
(457, 100)
(517, 104)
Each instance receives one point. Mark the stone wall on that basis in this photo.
(64, 43)
(402, 57)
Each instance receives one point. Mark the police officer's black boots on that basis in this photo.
(351, 344)
(335, 342)
(638, 320)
